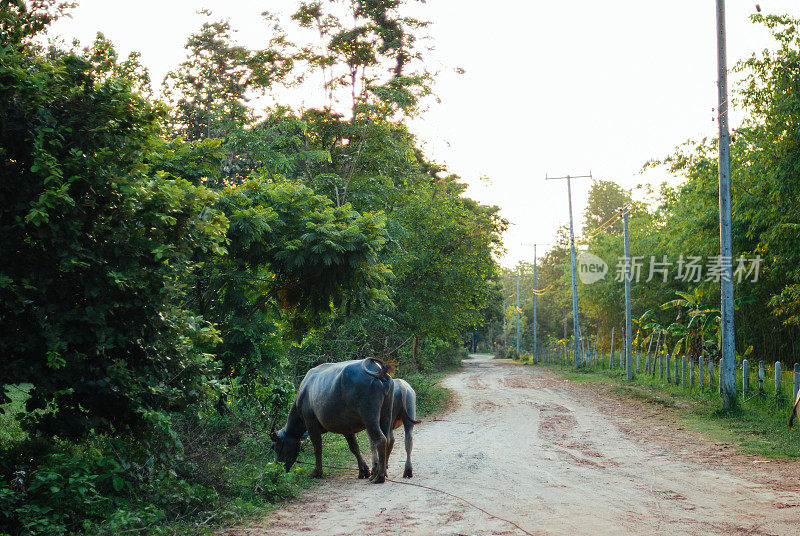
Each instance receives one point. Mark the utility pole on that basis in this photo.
(535, 289)
(575, 327)
(728, 378)
(535, 296)
(628, 354)
(517, 310)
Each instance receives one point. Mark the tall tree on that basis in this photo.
(98, 240)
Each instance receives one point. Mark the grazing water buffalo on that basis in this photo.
(795, 411)
(404, 411)
(344, 398)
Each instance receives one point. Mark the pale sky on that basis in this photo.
(558, 87)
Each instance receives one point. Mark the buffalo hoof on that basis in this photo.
(378, 478)
(316, 473)
(408, 473)
(363, 472)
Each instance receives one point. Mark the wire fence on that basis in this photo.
(693, 373)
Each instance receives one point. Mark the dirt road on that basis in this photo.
(554, 457)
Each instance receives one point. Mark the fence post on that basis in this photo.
(683, 372)
(745, 377)
(796, 383)
(761, 377)
(777, 378)
(691, 373)
(710, 373)
(669, 366)
(701, 380)
(660, 366)
(675, 376)
(611, 352)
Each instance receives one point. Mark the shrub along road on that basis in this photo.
(553, 457)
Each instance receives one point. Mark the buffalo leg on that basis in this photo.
(390, 447)
(378, 443)
(376, 457)
(408, 473)
(374, 451)
(363, 470)
(383, 436)
(315, 435)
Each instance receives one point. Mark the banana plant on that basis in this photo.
(701, 332)
(702, 321)
(645, 322)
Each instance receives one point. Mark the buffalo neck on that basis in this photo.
(295, 427)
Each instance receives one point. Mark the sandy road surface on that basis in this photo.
(555, 457)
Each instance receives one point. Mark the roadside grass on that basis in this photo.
(758, 426)
(431, 396)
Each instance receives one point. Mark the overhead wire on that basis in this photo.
(602, 227)
(542, 291)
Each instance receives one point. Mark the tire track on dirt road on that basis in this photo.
(555, 458)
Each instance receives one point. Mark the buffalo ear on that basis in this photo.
(273, 436)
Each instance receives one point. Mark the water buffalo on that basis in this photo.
(795, 411)
(344, 398)
(404, 411)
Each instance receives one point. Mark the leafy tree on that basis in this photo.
(20, 21)
(769, 190)
(605, 200)
(294, 260)
(98, 241)
(443, 276)
(372, 57)
(209, 91)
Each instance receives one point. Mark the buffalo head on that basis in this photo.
(286, 448)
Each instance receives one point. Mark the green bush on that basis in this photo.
(219, 466)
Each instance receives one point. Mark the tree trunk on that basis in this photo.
(414, 347)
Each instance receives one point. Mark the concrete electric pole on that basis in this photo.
(575, 326)
(628, 337)
(728, 371)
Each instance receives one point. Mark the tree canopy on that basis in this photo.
(179, 261)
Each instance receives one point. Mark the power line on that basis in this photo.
(605, 225)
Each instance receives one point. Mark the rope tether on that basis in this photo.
(438, 491)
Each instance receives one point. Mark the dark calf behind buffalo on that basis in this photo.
(404, 412)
